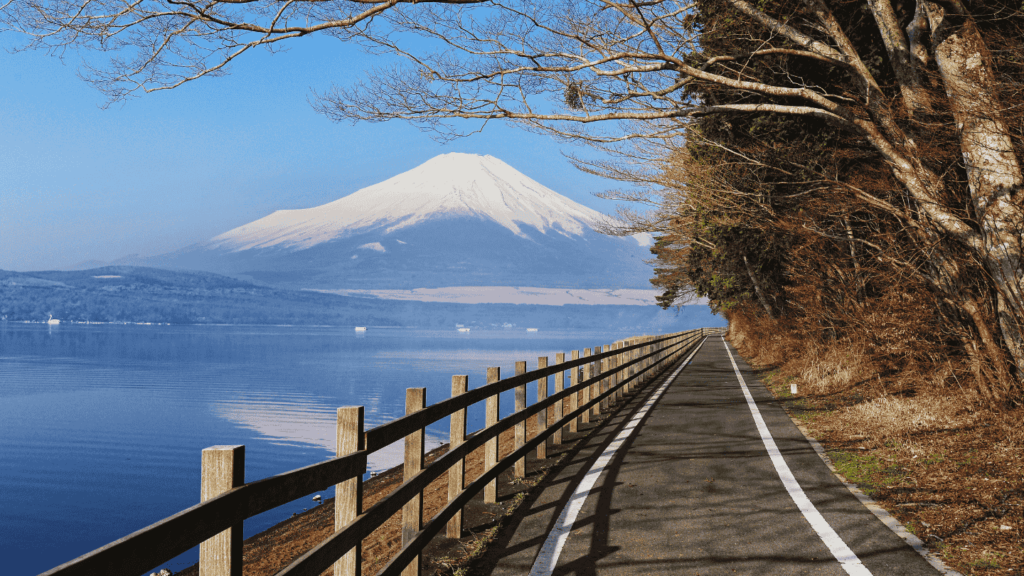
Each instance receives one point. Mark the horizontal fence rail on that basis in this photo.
(595, 381)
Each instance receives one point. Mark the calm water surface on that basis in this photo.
(101, 427)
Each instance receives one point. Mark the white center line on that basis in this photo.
(552, 548)
(828, 535)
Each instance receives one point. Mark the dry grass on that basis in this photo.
(756, 339)
(1010, 430)
(828, 370)
(902, 419)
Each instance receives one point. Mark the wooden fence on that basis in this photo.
(596, 379)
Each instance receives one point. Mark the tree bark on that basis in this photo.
(757, 288)
(992, 351)
(903, 61)
(856, 262)
(993, 169)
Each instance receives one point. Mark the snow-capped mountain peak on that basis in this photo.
(449, 185)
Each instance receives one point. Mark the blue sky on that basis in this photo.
(173, 168)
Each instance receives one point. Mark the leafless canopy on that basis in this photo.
(161, 44)
(594, 70)
(564, 66)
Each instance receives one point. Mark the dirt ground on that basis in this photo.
(272, 550)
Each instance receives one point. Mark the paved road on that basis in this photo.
(694, 491)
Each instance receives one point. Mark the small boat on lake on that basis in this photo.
(531, 329)
(360, 328)
(52, 321)
(463, 329)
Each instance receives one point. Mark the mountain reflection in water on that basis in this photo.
(305, 422)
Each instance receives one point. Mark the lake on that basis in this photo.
(102, 426)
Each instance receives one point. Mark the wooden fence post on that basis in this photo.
(223, 468)
(491, 447)
(542, 416)
(595, 388)
(633, 355)
(623, 366)
(520, 429)
(609, 378)
(646, 362)
(585, 390)
(348, 495)
(656, 359)
(556, 438)
(617, 379)
(655, 349)
(651, 349)
(645, 351)
(412, 511)
(619, 371)
(457, 473)
(639, 365)
(616, 374)
(574, 399)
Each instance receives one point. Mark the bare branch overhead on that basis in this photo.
(161, 44)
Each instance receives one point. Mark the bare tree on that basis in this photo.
(614, 72)
(162, 44)
(607, 72)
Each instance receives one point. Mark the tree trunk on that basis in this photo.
(904, 62)
(757, 288)
(993, 169)
(856, 263)
(993, 353)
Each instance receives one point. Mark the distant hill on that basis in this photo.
(456, 220)
(138, 294)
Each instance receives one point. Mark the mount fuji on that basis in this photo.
(456, 220)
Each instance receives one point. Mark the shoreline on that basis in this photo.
(271, 542)
(271, 550)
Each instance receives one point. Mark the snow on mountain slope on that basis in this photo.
(448, 185)
(456, 220)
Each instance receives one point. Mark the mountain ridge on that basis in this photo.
(453, 184)
(455, 220)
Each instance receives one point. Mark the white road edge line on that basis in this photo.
(880, 512)
(547, 559)
(828, 535)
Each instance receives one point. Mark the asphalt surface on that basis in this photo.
(694, 491)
